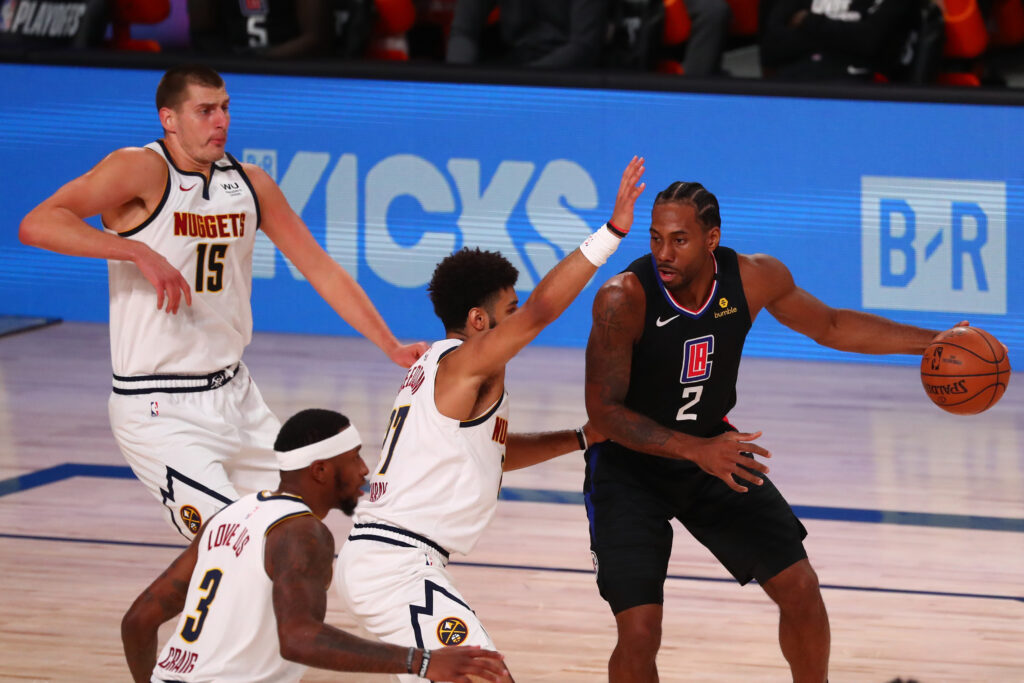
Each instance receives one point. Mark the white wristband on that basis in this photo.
(599, 246)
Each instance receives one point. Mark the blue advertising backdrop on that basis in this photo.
(910, 210)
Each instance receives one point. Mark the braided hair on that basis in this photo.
(697, 196)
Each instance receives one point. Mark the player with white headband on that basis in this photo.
(257, 577)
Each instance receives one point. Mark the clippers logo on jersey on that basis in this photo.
(221, 225)
(697, 359)
(452, 631)
(500, 431)
(191, 518)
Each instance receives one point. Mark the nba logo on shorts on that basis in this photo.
(697, 359)
(154, 409)
(933, 245)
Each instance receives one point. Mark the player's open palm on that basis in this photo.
(466, 664)
(166, 280)
(622, 216)
(728, 457)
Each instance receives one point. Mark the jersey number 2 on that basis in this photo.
(193, 626)
(695, 392)
(210, 269)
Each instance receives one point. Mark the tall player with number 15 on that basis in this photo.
(436, 485)
(180, 218)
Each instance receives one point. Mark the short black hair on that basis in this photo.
(697, 196)
(309, 426)
(467, 279)
(171, 90)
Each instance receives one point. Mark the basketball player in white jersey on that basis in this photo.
(252, 586)
(435, 487)
(180, 218)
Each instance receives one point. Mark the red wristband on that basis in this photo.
(615, 231)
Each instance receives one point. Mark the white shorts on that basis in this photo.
(198, 451)
(404, 595)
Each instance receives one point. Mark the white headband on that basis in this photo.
(342, 442)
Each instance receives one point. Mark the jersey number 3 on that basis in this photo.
(193, 625)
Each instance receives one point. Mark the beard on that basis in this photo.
(348, 505)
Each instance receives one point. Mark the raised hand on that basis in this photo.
(725, 456)
(622, 216)
(407, 354)
(457, 664)
(165, 278)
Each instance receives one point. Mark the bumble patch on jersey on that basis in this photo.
(723, 303)
(191, 518)
(452, 631)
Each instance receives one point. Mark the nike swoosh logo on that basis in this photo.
(185, 189)
(661, 323)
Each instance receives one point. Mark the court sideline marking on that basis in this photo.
(57, 473)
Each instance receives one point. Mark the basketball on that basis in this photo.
(965, 370)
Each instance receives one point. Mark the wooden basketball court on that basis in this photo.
(916, 519)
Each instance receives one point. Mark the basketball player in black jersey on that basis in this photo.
(662, 362)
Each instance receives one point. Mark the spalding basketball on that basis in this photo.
(965, 370)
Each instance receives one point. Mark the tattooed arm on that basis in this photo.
(164, 599)
(298, 557)
(619, 309)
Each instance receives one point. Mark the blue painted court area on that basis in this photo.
(58, 473)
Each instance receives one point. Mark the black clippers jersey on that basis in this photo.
(686, 362)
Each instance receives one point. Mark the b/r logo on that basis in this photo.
(933, 245)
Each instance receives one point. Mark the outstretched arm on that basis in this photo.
(523, 450)
(484, 355)
(131, 180)
(768, 284)
(619, 309)
(162, 600)
(298, 558)
(284, 227)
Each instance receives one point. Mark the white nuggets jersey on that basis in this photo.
(228, 631)
(437, 477)
(206, 230)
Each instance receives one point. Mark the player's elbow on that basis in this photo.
(30, 229)
(601, 413)
(134, 626)
(294, 643)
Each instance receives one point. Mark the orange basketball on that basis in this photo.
(965, 370)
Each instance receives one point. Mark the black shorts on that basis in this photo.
(630, 499)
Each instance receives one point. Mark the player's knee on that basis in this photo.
(640, 630)
(795, 588)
